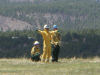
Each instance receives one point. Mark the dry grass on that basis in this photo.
(65, 66)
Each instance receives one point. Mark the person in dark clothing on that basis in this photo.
(55, 52)
(55, 35)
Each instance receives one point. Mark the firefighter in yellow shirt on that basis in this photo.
(46, 44)
(35, 52)
(55, 43)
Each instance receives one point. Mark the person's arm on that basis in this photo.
(40, 31)
(59, 36)
(33, 51)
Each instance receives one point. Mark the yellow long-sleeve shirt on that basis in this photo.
(35, 50)
(55, 35)
(46, 36)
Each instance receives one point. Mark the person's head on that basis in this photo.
(46, 27)
(36, 43)
(55, 27)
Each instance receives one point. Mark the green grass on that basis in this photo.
(63, 67)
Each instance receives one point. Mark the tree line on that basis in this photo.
(73, 44)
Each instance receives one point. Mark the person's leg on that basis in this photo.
(57, 52)
(43, 57)
(48, 55)
(53, 53)
(32, 57)
(37, 56)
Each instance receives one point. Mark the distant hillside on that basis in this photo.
(21, 1)
(68, 14)
(7, 24)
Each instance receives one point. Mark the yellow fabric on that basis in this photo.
(55, 35)
(46, 45)
(35, 50)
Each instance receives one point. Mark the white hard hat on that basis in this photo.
(36, 43)
(46, 26)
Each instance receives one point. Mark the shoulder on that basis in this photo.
(33, 47)
(58, 31)
(51, 32)
(41, 31)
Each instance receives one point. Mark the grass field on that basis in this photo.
(22, 66)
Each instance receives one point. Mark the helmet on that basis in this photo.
(36, 43)
(55, 27)
(46, 26)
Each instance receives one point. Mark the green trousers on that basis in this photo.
(55, 53)
(35, 57)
